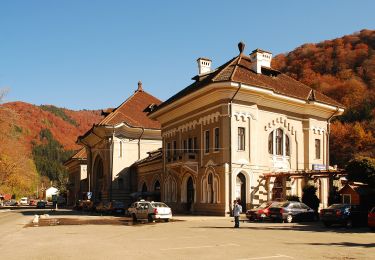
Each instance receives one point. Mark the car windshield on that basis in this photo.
(264, 205)
(280, 204)
(159, 205)
(337, 206)
(373, 210)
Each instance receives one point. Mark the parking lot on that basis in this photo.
(189, 237)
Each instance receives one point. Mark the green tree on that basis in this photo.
(49, 157)
(362, 169)
(309, 197)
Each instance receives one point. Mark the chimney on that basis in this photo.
(259, 59)
(204, 65)
(140, 89)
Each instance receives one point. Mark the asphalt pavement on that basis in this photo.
(188, 237)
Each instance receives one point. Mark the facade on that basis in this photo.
(243, 131)
(77, 183)
(123, 137)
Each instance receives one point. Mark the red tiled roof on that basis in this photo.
(239, 69)
(132, 111)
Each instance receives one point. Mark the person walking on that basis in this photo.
(237, 210)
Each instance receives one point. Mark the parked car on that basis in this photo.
(116, 207)
(343, 214)
(102, 207)
(41, 204)
(24, 201)
(289, 211)
(32, 202)
(150, 211)
(11, 202)
(371, 219)
(261, 212)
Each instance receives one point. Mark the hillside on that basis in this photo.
(344, 69)
(34, 143)
(65, 125)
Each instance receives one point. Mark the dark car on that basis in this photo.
(371, 219)
(261, 212)
(41, 204)
(343, 214)
(11, 202)
(289, 211)
(117, 207)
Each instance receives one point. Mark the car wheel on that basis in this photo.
(166, 220)
(349, 223)
(289, 219)
(150, 218)
(327, 224)
(134, 217)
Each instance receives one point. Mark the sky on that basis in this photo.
(89, 54)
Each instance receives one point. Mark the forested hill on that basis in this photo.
(344, 69)
(65, 125)
(35, 141)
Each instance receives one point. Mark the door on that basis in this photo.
(190, 193)
(241, 190)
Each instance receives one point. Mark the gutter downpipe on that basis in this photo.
(230, 147)
(89, 171)
(328, 133)
(139, 143)
(330, 180)
(111, 166)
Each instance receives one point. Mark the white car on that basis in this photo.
(150, 210)
(24, 201)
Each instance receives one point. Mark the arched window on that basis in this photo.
(270, 143)
(210, 189)
(98, 167)
(278, 143)
(287, 147)
(157, 186)
(144, 187)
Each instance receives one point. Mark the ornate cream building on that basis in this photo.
(243, 130)
(112, 146)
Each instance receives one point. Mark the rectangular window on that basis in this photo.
(195, 145)
(207, 141)
(217, 139)
(185, 146)
(241, 139)
(346, 198)
(190, 145)
(169, 151)
(317, 148)
(174, 148)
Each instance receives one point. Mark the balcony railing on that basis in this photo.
(185, 156)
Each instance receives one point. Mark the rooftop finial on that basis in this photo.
(140, 89)
(241, 47)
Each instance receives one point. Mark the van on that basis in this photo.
(24, 201)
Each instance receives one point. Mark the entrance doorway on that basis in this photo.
(277, 190)
(190, 193)
(241, 190)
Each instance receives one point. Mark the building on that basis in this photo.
(77, 180)
(243, 131)
(123, 137)
(51, 191)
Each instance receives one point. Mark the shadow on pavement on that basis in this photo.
(343, 244)
(312, 227)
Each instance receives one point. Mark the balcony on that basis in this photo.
(183, 157)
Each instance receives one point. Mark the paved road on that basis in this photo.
(192, 238)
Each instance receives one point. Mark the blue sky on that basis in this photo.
(87, 54)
